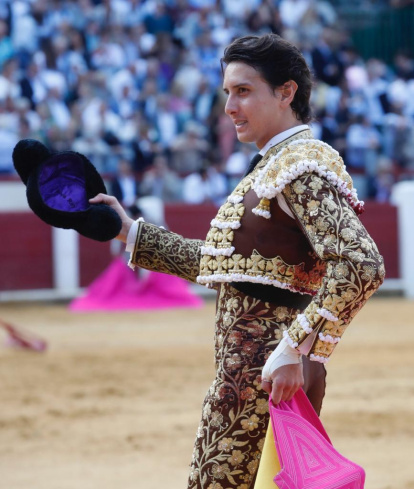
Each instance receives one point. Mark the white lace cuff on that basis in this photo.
(132, 235)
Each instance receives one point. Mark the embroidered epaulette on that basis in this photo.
(299, 157)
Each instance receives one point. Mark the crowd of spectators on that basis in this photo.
(136, 86)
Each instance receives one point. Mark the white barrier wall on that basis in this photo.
(65, 243)
(403, 198)
(13, 197)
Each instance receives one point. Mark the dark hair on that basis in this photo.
(277, 61)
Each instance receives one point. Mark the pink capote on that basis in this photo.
(118, 288)
(306, 455)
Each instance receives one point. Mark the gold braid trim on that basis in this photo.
(162, 251)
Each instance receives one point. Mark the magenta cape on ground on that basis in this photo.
(118, 288)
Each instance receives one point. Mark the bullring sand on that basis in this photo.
(115, 400)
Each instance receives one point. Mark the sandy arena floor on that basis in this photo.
(115, 401)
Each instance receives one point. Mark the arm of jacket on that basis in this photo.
(354, 271)
(162, 251)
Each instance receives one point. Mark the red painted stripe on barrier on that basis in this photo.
(26, 244)
(25, 252)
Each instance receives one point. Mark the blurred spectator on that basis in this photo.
(265, 18)
(165, 121)
(404, 65)
(218, 181)
(94, 148)
(9, 128)
(8, 141)
(108, 56)
(237, 164)
(160, 181)
(401, 90)
(31, 84)
(6, 45)
(189, 149)
(125, 186)
(204, 186)
(385, 180)
(293, 11)
(363, 143)
(207, 59)
(189, 76)
(144, 145)
(238, 10)
(375, 91)
(123, 89)
(203, 102)
(325, 58)
(9, 82)
(181, 106)
(58, 109)
(23, 111)
(159, 20)
(25, 31)
(399, 137)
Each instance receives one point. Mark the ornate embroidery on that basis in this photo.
(304, 156)
(231, 434)
(163, 251)
(220, 238)
(229, 215)
(257, 269)
(354, 267)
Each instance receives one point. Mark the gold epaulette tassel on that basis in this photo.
(263, 208)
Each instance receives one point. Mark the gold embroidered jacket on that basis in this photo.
(324, 250)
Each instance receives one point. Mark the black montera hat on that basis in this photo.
(58, 189)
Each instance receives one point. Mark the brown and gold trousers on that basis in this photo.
(235, 412)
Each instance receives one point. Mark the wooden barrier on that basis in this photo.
(26, 244)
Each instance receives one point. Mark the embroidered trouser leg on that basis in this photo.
(235, 413)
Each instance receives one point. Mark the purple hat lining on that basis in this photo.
(62, 183)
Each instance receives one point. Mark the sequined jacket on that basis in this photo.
(292, 223)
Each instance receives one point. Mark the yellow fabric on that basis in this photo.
(269, 463)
